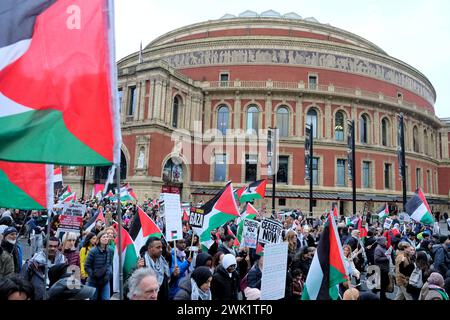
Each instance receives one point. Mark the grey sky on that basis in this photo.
(414, 31)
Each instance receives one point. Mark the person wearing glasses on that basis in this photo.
(225, 282)
(69, 250)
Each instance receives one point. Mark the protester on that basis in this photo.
(35, 232)
(225, 282)
(255, 274)
(434, 288)
(143, 285)
(98, 266)
(381, 260)
(196, 287)
(349, 264)
(69, 250)
(10, 253)
(14, 287)
(89, 242)
(179, 260)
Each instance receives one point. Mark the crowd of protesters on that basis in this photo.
(408, 262)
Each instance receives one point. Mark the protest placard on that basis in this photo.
(69, 223)
(74, 209)
(273, 282)
(250, 233)
(387, 223)
(270, 231)
(196, 217)
(172, 211)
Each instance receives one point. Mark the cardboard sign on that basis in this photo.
(273, 282)
(74, 209)
(196, 218)
(270, 231)
(70, 224)
(172, 211)
(387, 223)
(250, 233)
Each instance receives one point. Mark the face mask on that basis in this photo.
(13, 242)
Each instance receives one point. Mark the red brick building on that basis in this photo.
(259, 71)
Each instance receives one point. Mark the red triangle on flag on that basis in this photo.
(226, 203)
(259, 249)
(147, 224)
(185, 216)
(261, 189)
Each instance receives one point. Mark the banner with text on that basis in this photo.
(270, 231)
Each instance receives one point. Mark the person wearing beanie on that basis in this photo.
(252, 293)
(10, 253)
(197, 287)
(434, 288)
(225, 282)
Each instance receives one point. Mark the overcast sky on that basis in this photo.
(414, 31)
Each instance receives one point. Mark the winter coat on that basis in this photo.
(6, 263)
(441, 259)
(403, 269)
(185, 290)
(98, 266)
(380, 258)
(83, 256)
(254, 277)
(16, 253)
(183, 266)
(72, 256)
(428, 293)
(369, 247)
(222, 286)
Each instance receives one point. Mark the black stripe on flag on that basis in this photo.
(323, 252)
(135, 226)
(413, 204)
(17, 19)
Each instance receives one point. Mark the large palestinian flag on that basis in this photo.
(418, 209)
(250, 213)
(57, 68)
(217, 211)
(141, 228)
(129, 259)
(26, 186)
(254, 191)
(327, 268)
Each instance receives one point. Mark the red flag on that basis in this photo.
(57, 83)
(185, 216)
(362, 230)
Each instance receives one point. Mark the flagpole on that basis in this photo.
(47, 237)
(119, 217)
(311, 170)
(403, 164)
(84, 182)
(353, 167)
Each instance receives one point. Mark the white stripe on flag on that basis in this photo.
(314, 278)
(419, 212)
(14, 51)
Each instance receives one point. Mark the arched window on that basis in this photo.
(311, 118)
(425, 142)
(176, 102)
(101, 173)
(385, 136)
(416, 139)
(173, 172)
(252, 119)
(283, 121)
(223, 119)
(364, 129)
(339, 126)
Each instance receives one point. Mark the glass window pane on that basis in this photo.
(311, 118)
(339, 126)
(223, 119)
(315, 171)
(220, 167)
(366, 174)
(175, 112)
(282, 174)
(387, 176)
(251, 167)
(252, 119)
(132, 105)
(283, 121)
(341, 181)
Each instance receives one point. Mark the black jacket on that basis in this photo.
(441, 259)
(370, 246)
(224, 287)
(254, 277)
(380, 258)
(98, 265)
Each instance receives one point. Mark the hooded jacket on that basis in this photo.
(185, 290)
(441, 259)
(224, 287)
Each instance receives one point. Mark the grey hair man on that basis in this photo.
(143, 285)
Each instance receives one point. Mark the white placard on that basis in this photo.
(74, 209)
(387, 223)
(270, 231)
(173, 215)
(273, 282)
(250, 233)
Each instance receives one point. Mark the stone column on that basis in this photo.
(376, 125)
(269, 111)
(328, 122)
(163, 110)
(237, 111)
(299, 117)
(157, 106)
(151, 105)
(141, 105)
(207, 118)
(188, 108)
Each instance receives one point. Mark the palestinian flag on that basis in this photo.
(238, 192)
(65, 193)
(383, 212)
(418, 209)
(72, 198)
(57, 96)
(26, 186)
(97, 191)
(387, 234)
(91, 223)
(129, 259)
(260, 249)
(185, 216)
(334, 210)
(250, 213)
(57, 179)
(236, 242)
(141, 228)
(217, 211)
(327, 268)
(255, 190)
(362, 230)
(110, 195)
(127, 194)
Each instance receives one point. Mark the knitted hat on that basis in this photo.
(252, 293)
(9, 230)
(201, 275)
(436, 279)
(228, 260)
